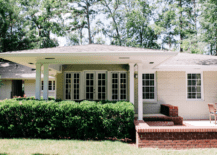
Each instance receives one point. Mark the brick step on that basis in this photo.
(160, 123)
(177, 120)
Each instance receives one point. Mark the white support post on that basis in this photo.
(38, 82)
(46, 78)
(131, 65)
(140, 100)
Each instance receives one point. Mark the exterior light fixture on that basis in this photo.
(49, 58)
(151, 62)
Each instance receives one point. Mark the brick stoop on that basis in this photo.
(175, 137)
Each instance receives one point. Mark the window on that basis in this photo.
(194, 86)
(51, 85)
(119, 86)
(148, 86)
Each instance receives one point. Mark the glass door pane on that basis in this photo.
(101, 86)
(90, 86)
(68, 86)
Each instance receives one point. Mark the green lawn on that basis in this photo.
(34, 146)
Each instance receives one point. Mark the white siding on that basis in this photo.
(29, 89)
(5, 89)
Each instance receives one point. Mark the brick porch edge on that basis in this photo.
(175, 137)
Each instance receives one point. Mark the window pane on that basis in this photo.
(146, 83)
(151, 76)
(151, 89)
(151, 95)
(189, 95)
(199, 95)
(189, 89)
(193, 89)
(189, 82)
(50, 85)
(198, 89)
(193, 82)
(152, 83)
(198, 76)
(199, 82)
(189, 76)
(193, 76)
(147, 76)
(53, 85)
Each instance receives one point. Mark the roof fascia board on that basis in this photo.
(113, 53)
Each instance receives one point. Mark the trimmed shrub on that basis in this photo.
(50, 119)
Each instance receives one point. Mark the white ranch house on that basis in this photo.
(145, 77)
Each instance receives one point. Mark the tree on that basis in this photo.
(140, 33)
(177, 18)
(208, 22)
(114, 10)
(42, 18)
(12, 33)
(85, 10)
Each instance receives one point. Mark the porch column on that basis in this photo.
(46, 78)
(131, 82)
(38, 82)
(140, 100)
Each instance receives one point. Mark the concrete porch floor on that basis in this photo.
(202, 123)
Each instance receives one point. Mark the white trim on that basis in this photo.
(46, 79)
(202, 89)
(38, 82)
(140, 98)
(131, 85)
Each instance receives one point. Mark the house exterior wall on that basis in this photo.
(85, 67)
(5, 89)
(29, 89)
(172, 89)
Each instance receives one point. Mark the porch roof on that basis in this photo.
(88, 54)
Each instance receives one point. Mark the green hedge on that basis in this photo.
(50, 119)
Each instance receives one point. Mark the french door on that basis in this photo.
(95, 85)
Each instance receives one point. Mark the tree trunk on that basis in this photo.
(88, 23)
(180, 20)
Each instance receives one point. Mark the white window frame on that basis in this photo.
(53, 90)
(119, 72)
(72, 85)
(155, 87)
(202, 90)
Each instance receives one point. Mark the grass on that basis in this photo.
(63, 147)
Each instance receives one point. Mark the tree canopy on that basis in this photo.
(182, 25)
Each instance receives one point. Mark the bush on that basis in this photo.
(50, 119)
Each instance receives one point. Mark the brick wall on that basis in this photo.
(176, 137)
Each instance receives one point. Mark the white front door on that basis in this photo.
(95, 85)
